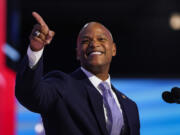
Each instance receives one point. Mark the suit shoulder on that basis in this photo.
(58, 76)
(124, 96)
(55, 74)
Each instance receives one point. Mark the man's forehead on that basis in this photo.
(97, 26)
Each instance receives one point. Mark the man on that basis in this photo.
(83, 102)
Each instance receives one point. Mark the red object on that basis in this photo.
(7, 78)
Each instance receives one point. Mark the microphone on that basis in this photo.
(173, 96)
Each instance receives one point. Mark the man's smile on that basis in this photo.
(94, 52)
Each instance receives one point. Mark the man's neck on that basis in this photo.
(100, 73)
(102, 76)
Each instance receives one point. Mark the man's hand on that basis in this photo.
(41, 35)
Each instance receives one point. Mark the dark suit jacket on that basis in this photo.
(68, 103)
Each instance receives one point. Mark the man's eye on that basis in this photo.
(84, 41)
(101, 39)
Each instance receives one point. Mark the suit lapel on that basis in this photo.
(124, 106)
(96, 100)
(97, 107)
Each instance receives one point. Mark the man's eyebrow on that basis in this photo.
(85, 37)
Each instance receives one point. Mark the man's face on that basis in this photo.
(95, 46)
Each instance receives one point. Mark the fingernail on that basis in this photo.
(50, 33)
(48, 42)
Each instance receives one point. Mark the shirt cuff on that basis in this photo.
(33, 56)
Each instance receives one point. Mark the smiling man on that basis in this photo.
(95, 48)
(83, 102)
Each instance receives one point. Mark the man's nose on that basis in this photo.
(94, 43)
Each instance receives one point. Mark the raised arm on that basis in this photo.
(32, 89)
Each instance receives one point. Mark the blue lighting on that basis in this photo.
(156, 116)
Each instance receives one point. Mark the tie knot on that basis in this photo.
(104, 86)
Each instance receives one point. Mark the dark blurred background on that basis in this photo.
(147, 44)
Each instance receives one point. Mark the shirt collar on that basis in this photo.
(94, 79)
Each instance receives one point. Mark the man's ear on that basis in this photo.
(114, 49)
(77, 54)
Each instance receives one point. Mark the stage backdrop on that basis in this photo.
(7, 123)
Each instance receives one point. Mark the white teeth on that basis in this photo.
(95, 53)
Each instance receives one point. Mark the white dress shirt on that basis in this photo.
(34, 57)
(96, 81)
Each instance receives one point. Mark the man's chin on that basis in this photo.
(95, 64)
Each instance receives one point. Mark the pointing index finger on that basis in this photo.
(39, 19)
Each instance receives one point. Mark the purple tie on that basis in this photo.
(114, 116)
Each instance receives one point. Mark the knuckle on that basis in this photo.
(42, 36)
